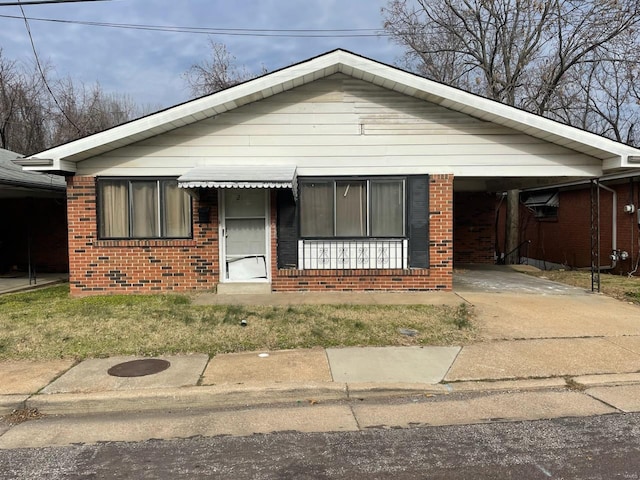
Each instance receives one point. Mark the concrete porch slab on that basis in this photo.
(248, 288)
(391, 364)
(91, 375)
(276, 367)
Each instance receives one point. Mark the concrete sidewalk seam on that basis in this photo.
(452, 363)
(622, 346)
(610, 405)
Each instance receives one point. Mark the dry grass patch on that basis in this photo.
(47, 324)
(621, 287)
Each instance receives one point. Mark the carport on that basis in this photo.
(33, 237)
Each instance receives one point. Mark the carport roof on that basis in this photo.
(12, 175)
(64, 157)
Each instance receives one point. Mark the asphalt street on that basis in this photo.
(599, 447)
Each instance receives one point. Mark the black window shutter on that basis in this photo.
(287, 229)
(418, 221)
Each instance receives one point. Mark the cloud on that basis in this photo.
(149, 65)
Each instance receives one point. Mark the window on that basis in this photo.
(544, 205)
(143, 209)
(352, 208)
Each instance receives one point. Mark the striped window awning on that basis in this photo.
(242, 176)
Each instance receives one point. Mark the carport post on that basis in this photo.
(512, 233)
(595, 235)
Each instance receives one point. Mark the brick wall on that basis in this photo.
(127, 266)
(567, 239)
(437, 277)
(138, 266)
(474, 227)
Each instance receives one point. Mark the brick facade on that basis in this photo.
(136, 266)
(566, 239)
(139, 266)
(474, 227)
(439, 275)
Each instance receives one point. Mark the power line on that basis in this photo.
(44, 2)
(44, 78)
(249, 32)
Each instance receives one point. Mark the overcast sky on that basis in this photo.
(148, 65)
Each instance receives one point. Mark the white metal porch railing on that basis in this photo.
(351, 254)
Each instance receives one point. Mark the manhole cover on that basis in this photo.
(139, 368)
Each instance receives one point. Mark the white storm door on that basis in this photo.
(245, 235)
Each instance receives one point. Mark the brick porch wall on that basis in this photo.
(137, 266)
(437, 277)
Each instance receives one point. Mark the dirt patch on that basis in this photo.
(22, 415)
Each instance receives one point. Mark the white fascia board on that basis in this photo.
(53, 165)
(626, 161)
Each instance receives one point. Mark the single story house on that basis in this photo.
(33, 220)
(337, 173)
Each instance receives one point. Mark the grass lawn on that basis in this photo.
(47, 324)
(617, 286)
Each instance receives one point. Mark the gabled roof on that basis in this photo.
(64, 157)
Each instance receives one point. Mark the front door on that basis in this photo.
(244, 230)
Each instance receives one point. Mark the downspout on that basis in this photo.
(614, 229)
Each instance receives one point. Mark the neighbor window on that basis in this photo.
(352, 208)
(143, 209)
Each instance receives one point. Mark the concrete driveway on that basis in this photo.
(512, 305)
(506, 279)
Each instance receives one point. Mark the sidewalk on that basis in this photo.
(584, 346)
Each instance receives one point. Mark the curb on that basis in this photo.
(258, 394)
(185, 398)
(9, 403)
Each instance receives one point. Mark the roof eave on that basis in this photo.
(47, 165)
(613, 154)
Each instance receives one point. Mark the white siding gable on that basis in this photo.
(343, 126)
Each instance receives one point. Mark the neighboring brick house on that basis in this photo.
(337, 173)
(557, 224)
(33, 220)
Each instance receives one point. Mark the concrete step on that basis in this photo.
(248, 288)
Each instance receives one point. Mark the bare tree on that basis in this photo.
(82, 110)
(38, 112)
(22, 111)
(550, 57)
(217, 72)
